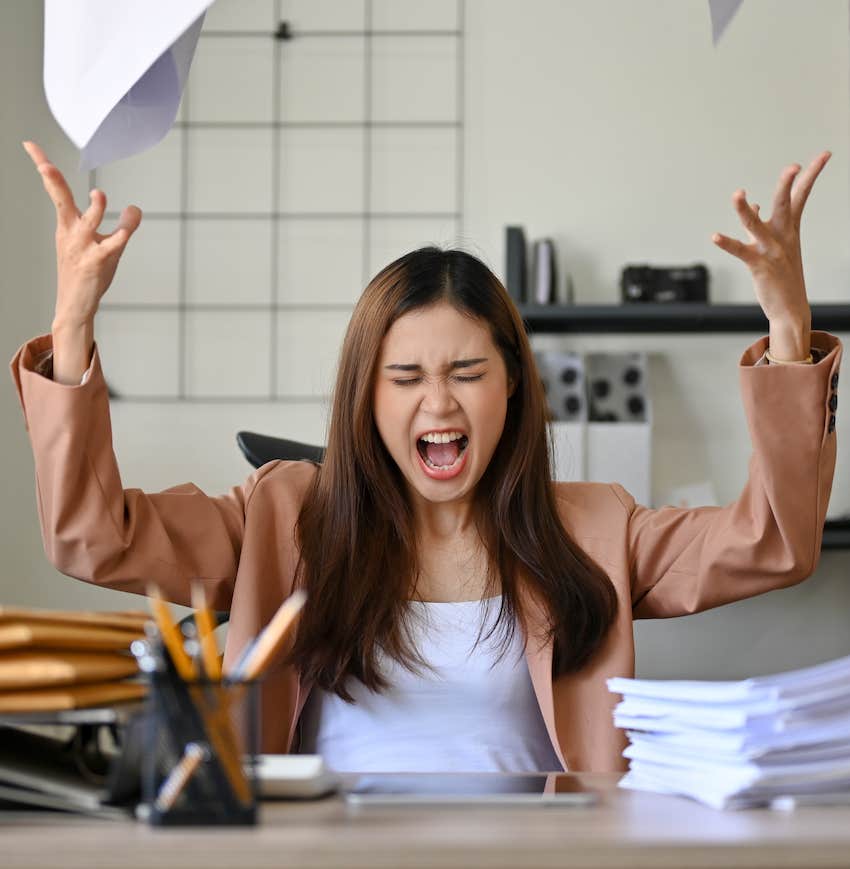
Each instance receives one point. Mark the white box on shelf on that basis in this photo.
(621, 452)
(567, 450)
(618, 443)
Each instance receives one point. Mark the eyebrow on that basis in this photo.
(458, 363)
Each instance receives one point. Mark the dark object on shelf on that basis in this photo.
(674, 284)
(516, 268)
(259, 449)
(544, 280)
(671, 317)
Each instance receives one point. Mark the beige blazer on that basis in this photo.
(663, 562)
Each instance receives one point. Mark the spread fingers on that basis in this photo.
(55, 184)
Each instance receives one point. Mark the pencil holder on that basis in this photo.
(201, 750)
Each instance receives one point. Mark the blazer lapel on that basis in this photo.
(538, 656)
(580, 702)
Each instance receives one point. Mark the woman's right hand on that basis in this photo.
(85, 259)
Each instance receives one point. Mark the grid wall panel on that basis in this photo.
(318, 15)
(139, 352)
(226, 353)
(308, 350)
(321, 171)
(319, 261)
(323, 79)
(317, 140)
(231, 80)
(149, 273)
(240, 15)
(228, 262)
(229, 171)
(414, 15)
(414, 170)
(414, 78)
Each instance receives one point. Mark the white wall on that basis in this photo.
(617, 129)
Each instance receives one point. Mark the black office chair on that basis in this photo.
(259, 449)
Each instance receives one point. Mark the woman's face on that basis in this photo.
(440, 399)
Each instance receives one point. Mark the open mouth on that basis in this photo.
(442, 453)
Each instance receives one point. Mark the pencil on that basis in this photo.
(273, 637)
(206, 635)
(171, 636)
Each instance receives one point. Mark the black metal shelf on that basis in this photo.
(640, 317)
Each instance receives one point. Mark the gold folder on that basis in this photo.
(70, 696)
(41, 668)
(48, 635)
(132, 620)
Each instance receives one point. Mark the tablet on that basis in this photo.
(466, 789)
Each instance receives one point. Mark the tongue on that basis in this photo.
(442, 454)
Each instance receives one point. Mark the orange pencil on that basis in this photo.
(206, 635)
(273, 637)
(171, 636)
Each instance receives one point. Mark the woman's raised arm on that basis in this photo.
(775, 260)
(85, 265)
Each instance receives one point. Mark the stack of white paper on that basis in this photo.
(739, 744)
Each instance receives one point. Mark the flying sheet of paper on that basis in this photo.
(722, 12)
(114, 72)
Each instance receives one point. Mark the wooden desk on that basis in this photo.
(627, 829)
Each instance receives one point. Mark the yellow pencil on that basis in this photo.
(171, 636)
(273, 636)
(206, 635)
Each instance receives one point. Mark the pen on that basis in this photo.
(184, 665)
(171, 788)
(272, 638)
(206, 637)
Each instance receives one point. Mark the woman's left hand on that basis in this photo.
(775, 259)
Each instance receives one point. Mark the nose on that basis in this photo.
(438, 399)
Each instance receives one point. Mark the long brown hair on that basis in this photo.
(358, 552)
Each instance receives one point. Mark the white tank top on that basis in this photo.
(471, 713)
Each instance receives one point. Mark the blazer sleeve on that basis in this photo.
(96, 530)
(687, 560)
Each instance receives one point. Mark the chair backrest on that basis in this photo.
(259, 449)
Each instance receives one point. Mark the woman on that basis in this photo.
(432, 522)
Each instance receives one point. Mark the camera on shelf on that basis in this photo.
(644, 283)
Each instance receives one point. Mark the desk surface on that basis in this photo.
(626, 829)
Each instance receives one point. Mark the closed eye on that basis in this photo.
(460, 378)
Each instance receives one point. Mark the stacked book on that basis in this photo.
(740, 744)
(67, 679)
(54, 659)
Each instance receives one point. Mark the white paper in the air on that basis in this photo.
(722, 12)
(114, 72)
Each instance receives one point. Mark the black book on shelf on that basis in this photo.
(516, 269)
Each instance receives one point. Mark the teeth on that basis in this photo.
(441, 437)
